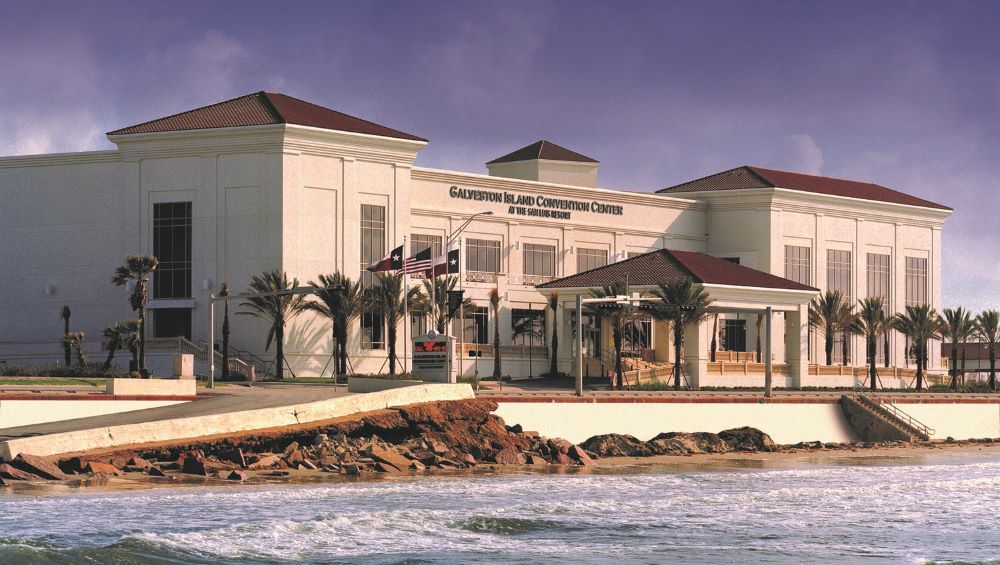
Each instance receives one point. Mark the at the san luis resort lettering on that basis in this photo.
(540, 206)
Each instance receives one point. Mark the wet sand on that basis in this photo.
(787, 458)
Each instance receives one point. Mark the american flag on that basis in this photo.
(418, 263)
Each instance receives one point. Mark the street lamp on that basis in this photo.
(461, 304)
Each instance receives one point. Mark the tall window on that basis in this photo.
(528, 327)
(916, 281)
(482, 255)
(797, 264)
(587, 259)
(878, 274)
(638, 334)
(539, 263)
(419, 242)
(172, 247)
(838, 272)
(734, 335)
(372, 248)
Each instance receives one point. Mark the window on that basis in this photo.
(172, 248)
(172, 322)
(372, 248)
(482, 255)
(916, 281)
(878, 272)
(587, 259)
(528, 327)
(734, 335)
(420, 242)
(477, 325)
(638, 334)
(838, 272)
(797, 265)
(539, 263)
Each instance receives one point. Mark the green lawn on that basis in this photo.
(50, 381)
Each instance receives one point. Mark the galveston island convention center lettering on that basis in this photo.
(536, 205)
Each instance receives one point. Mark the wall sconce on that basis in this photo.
(517, 245)
(572, 249)
(50, 290)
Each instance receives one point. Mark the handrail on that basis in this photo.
(877, 402)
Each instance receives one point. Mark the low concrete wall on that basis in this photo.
(785, 423)
(870, 427)
(577, 421)
(14, 413)
(152, 387)
(231, 422)
(369, 384)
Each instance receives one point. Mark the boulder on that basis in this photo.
(390, 458)
(293, 458)
(669, 446)
(748, 439)
(578, 453)
(265, 462)
(698, 442)
(387, 468)
(467, 459)
(39, 466)
(558, 445)
(140, 463)
(617, 445)
(234, 456)
(417, 466)
(194, 466)
(95, 468)
(12, 473)
(561, 458)
(155, 472)
(509, 456)
(72, 466)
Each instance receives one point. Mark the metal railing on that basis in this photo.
(879, 403)
(201, 352)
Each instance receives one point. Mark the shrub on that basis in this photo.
(56, 370)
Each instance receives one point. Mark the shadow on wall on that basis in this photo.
(308, 346)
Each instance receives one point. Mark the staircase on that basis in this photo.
(237, 365)
(874, 419)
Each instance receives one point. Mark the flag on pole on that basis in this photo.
(446, 264)
(417, 263)
(393, 261)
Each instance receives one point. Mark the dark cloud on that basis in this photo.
(906, 94)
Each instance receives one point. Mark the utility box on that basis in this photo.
(184, 366)
(432, 355)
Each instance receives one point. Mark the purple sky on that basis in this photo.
(904, 94)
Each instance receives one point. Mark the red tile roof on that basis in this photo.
(747, 177)
(543, 150)
(667, 265)
(264, 108)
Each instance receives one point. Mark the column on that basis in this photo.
(796, 338)
(695, 353)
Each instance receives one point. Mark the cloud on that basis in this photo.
(800, 153)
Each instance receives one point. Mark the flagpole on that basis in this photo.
(461, 309)
(406, 307)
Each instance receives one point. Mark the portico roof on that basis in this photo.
(670, 265)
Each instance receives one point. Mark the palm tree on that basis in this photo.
(872, 324)
(130, 337)
(758, 325)
(957, 328)
(64, 314)
(988, 330)
(224, 294)
(270, 301)
(137, 268)
(386, 298)
(682, 305)
(495, 303)
(435, 300)
(74, 340)
(919, 324)
(112, 334)
(554, 350)
(618, 318)
(715, 337)
(830, 314)
(342, 301)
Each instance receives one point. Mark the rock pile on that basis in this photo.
(681, 443)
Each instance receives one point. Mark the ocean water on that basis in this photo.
(943, 509)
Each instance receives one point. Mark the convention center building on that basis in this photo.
(267, 181)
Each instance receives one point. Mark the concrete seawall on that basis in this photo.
(230, 422)
(785, 422)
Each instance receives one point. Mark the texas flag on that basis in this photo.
(393, 261)
(445, 264)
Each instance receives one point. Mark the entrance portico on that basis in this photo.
(734, 289)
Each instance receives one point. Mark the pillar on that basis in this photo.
(796, 343)
(695, 353)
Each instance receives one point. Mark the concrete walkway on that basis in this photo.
(218, 401)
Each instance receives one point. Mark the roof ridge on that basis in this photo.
(787, 172)
(747, 167)
(682, 264)
(259, 93)
(324, 108)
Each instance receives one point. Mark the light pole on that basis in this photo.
(461, 304)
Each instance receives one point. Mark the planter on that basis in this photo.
(152, 387)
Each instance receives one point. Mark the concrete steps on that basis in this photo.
(873, 420)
